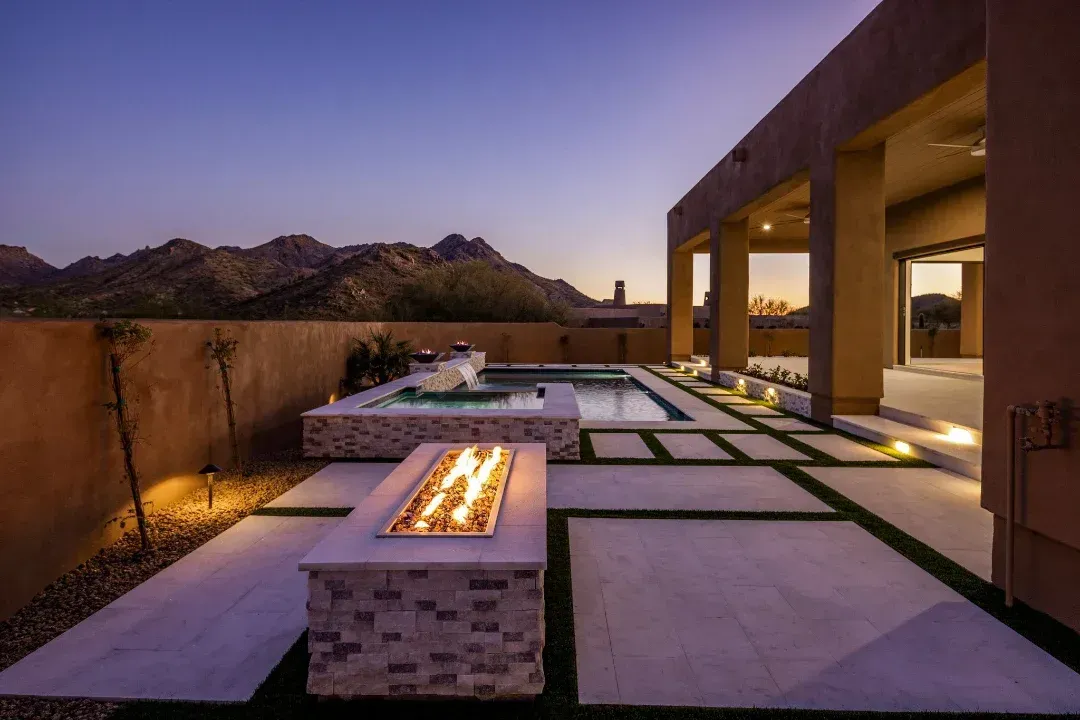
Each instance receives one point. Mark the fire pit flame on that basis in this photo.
(460, 495)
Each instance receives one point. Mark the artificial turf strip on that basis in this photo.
(304, 511)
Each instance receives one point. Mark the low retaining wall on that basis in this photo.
(790, 399)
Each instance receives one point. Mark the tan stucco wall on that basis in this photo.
(61, 479)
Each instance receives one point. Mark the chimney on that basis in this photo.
(620, 293)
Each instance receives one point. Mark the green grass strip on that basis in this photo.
(304, 511)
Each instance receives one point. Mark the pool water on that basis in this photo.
(519, 400)
(601, 394)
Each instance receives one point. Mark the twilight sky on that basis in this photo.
(561, 131)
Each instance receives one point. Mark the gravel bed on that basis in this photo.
(177, 530)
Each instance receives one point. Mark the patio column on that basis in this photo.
(971, 310)
(729, 277)
(847, 252)
(680, 305)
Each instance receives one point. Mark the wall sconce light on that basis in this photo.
(209, 471)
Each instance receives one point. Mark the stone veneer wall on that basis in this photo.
(473, 633)
(790, 399)
(390, 436)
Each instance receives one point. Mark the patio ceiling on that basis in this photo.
(913, 167)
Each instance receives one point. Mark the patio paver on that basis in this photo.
(211, 626)
(764, 447)
(845, 450)
(620, 445)
(691, 446)
(340, 484)
(788, 614)
(688, 487)
(756, 410)
(787, 424)
(935, 506)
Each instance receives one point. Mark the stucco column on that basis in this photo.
(680, 305)
(847, 253)
(971, 309)
(729, 276)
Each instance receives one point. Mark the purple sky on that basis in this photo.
(559, 131)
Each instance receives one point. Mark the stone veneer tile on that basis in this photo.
(465, 633)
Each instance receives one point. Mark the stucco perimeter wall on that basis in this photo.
(62, 478)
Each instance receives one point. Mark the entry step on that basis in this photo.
(962, 458)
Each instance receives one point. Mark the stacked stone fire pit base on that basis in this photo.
(466, 633)
(434, 615)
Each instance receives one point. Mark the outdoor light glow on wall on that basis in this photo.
(209, 472)
(741, 385)
(960, 436)
(771, 395)
(902, 447)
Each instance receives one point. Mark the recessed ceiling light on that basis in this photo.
(766, 227)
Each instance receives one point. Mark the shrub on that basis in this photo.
(779, 375)
(379, 358)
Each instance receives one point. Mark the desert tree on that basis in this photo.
(128, 344)
(223, 352)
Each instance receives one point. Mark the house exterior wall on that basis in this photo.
(1031, 332)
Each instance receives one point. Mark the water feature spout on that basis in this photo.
(468, 375)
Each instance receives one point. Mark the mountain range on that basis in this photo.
(290, 277)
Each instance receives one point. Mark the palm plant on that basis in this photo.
(378, 358)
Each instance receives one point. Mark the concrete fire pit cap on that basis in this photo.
(519, 542)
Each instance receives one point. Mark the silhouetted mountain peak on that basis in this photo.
(18, 266)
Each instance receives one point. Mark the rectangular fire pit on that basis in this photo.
(451, 608)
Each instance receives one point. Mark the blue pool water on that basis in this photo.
(601, 395)
(523, 400)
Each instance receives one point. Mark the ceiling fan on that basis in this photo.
(800, 215)
(976, 149)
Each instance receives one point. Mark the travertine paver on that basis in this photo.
(340, 484)
(727, 398)
(688, 487)
(695, 385)
(843, 449)
(755, 410)
(763, 447)
(619, 445)
(209, 627)
(691, 446)
(935, 506)
(786, 424)
(796, 614)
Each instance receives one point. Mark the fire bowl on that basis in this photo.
(425, 357)
(462, 347)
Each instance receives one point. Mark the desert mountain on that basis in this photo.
(292, 276)
(19, 267)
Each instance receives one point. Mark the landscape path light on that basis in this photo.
(209, 471)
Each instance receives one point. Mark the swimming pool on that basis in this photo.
(458, 400)
(601, 394)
